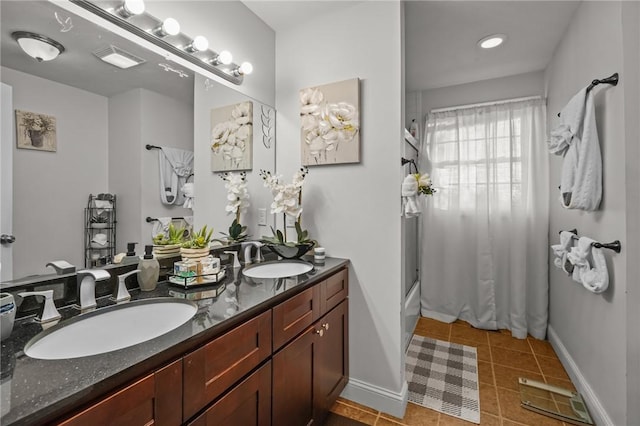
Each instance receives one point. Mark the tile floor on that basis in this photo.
(501, 360)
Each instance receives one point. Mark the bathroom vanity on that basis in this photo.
(266, 351)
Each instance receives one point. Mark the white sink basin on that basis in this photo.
(278, 269)
(111, 328)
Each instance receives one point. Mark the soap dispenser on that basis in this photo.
(149, 270)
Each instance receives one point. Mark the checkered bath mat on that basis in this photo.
(443, 376)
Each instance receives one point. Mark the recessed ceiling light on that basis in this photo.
(492, 41)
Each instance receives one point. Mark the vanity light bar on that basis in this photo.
(230, 72)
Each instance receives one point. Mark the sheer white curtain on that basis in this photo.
(484, 232)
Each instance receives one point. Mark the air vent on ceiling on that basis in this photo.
(117, 57)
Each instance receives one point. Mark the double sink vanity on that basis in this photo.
(271, 349)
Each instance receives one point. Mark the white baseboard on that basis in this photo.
(596, 409)
(377, 397)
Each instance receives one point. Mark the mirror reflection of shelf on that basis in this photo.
(100, 221)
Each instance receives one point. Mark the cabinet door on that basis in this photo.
(247, 404)
(214, 368)
(334, 290)
(333, 356)
(294, 371)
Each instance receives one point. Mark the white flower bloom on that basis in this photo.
(242, 113)
(424, 180)
(316, 143)
(219, 136)
(310, 107)
(237, 193)
(339, 123)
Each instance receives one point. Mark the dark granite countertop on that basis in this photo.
(33, 391)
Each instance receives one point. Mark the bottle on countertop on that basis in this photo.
(149, 270)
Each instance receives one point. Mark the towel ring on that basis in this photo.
(189, 177)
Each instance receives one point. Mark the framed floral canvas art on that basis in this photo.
(36, 131)
(232, 137)
(330, 123)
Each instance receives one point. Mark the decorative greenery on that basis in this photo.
(236, 233)
(425, 187)
(200, 239)
(173, 236)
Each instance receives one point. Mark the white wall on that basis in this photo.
(354, 210)
(631, 75)
(232, 26)
(211, 195)
(515, 86)
(136, 118)
(593, 327)
(51, 189)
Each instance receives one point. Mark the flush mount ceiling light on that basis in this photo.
(37, 46)
(492, 41)
(198, 44)
(130, 8)
(168, 27)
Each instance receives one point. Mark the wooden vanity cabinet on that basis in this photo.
(285, 366)
(312, 370)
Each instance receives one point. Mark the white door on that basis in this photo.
(6, 182)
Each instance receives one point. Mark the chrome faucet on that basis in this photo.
(49, 312)
(87, 287)
(247, 251)
(120, 292)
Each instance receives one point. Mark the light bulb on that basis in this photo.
(225, 57)
(246, 68)
(169, 27)
(130, 8)
(198, 44)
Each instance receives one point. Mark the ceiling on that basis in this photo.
(441, 36)
(77, 66)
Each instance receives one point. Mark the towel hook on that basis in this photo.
(404, 161)
(612, 80)
(615, 246)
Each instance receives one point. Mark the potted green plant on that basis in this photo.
(169, 243)
(197, 246)
(287, 199)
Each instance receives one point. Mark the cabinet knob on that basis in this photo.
(320, 332)
(326, 326)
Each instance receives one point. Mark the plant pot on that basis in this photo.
(287, 252)
(166, 250)
(194, 253)
(37, 138)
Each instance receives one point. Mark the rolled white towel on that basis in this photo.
(562, 250)
(596, 279)
(187, 191)
(578, 256)
(160, 226)
(410, 205)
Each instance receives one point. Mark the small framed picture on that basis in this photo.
(36, 131)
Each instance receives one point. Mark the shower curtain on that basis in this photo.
(484, 232)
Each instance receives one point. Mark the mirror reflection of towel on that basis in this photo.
(175, 166)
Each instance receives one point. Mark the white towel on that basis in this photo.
(594, 279)
(175, 166)
(187, 191)
(410, 205)
(100, 239)
(101, 205)
(160, 226)
(576, 138)
(562, 250)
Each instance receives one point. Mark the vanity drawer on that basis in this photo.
(212, 369)
(248, 404)
(334, 290)
(292, 317)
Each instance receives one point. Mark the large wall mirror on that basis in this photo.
(104, 118)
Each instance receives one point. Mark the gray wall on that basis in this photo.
(592, 327)
(354, 209)
(51, 189)
(139, 117)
